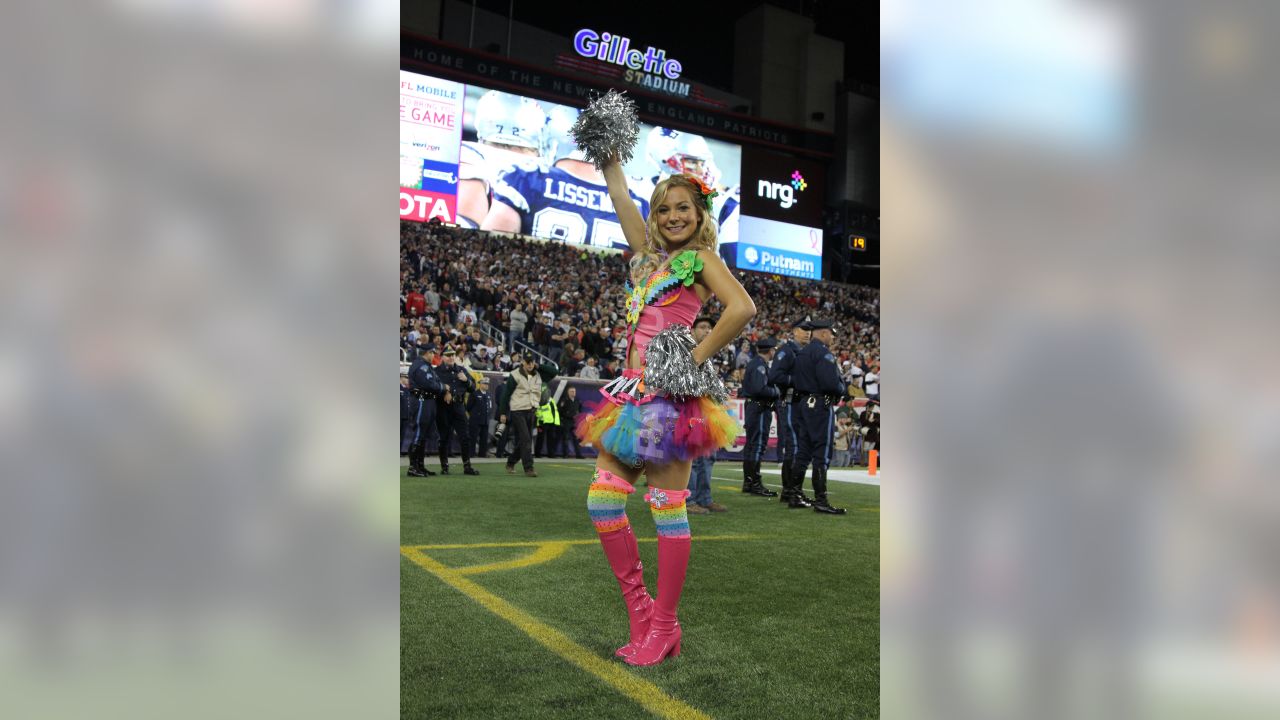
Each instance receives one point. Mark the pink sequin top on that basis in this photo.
(683, 309)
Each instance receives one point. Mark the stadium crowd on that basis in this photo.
(566, 302)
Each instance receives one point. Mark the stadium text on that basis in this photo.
(654, 82)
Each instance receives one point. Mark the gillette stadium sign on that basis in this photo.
(650, 69)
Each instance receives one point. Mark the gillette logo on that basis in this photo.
(784, 193)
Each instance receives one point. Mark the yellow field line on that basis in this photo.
(537, 543)
(648, 695)
(546, 552)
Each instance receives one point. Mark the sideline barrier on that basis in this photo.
(589, 393)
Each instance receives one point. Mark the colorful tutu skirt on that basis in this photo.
(638, 428)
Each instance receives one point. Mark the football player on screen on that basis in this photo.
(509, 129)
(562, 198)
(674, 151)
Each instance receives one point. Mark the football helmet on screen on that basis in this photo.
(508, 119)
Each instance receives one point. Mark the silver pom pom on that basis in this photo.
(607, 127)
(669, 368)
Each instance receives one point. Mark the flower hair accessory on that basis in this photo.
(707, 191)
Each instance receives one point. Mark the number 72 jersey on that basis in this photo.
(556, 205)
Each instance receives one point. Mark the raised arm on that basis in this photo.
(628, 214)
(738, 306)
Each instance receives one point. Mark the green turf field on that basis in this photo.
(780, 611)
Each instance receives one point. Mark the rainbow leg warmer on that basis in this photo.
(607, 501)
(668, 511)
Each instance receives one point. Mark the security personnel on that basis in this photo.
(780, 376)
(759, 398)
(518, 402)
(818, 388)
(425, 390)
(452, 418)
(548, 425)
(479, 410)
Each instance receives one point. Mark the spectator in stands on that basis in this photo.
(556, 340)
(590, 371)
(468, 315)
(479, 359)
(843, 438)
(541, 334)
(594, 341)
(519, 319)
(619, 344)
(415, 303)
(872, 383)
(610, 369)
(573, 361)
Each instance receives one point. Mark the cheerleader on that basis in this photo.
(668, 406)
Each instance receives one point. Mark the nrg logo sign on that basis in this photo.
(784, 193)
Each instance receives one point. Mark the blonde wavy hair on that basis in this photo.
(704, 237)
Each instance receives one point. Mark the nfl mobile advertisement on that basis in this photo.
(430, 134)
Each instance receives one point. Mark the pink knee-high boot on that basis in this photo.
(663, 638)
(606, 502)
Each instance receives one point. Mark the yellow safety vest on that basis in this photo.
(548, 413)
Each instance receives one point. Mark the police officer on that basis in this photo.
(425, 390)
(452, 418)
(818, 388)
(408, 406)
(479, 410)
(780, 376)
(759, 398)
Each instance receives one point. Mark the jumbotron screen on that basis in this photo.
(780, 230)
(485, 158)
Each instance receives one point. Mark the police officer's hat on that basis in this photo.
(766, 344)
(424, 348)
(806, 325)
(448, 350)
(800, 323)
(821, 324)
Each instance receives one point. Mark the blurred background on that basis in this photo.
(198, 508)
(1079, 276)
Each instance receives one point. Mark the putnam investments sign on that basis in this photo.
(650, 69)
